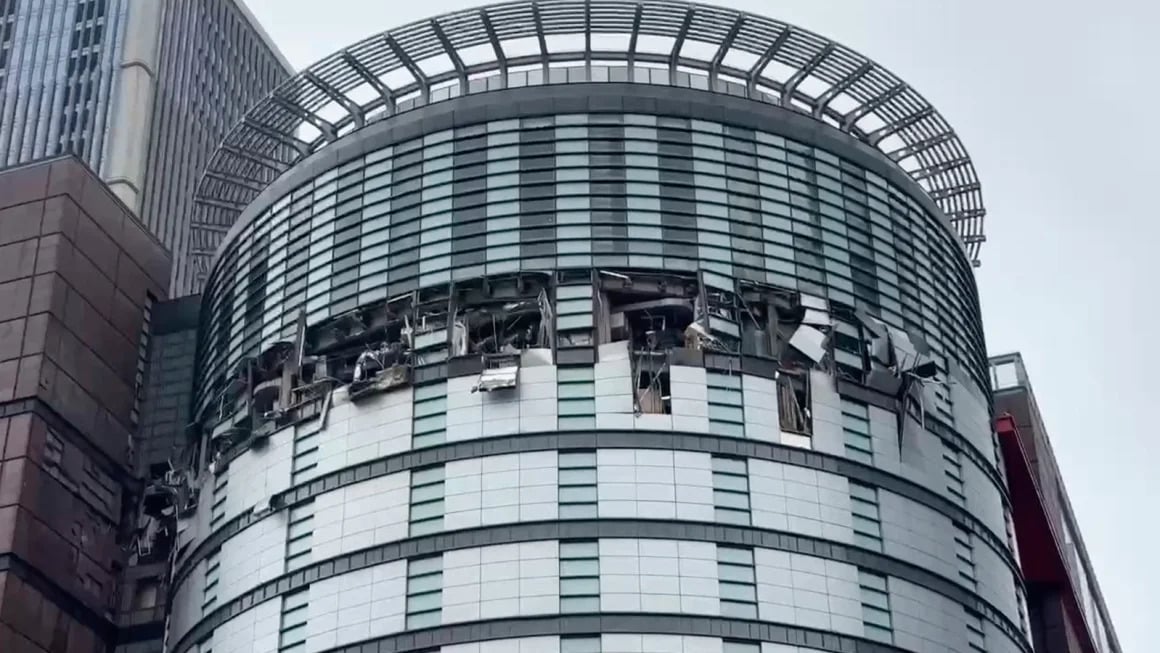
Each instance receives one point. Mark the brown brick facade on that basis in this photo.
(77, 275)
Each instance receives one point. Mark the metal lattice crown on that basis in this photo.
(533, 42)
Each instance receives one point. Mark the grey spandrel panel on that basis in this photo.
(916, 534)
(972, 417)
(995, 583)
(920, 453)
(984, 499)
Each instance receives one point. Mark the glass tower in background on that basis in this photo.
(140, 90)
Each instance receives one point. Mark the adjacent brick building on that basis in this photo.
(1066, 609)
(78, 277)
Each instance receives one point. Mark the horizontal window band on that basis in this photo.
(665, 440)
(762, 367)
(438, 543)
(618, 623)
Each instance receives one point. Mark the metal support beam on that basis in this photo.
(823, 101)
(920, 146)
(352, 108)
(792, 83)
(298, 111)
(940, 194)
(388, 97)
(875, 137)
(276, 135)
(764, 60)
(212, 228)
(632, 40)
(939, 168)
(218, 203)
(409, 64)
(500, 57)
(452, 54)
(868, 107)
(678, 43)
(723, 49)
(252, 156)
(966, 215)
(234, 180)
(588, 34)
(544, 54)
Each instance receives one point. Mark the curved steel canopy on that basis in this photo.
(532, 42)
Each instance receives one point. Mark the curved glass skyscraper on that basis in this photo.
(595, 326)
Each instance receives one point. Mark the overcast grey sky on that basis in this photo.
(1051, 99)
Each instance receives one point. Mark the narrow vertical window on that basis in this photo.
(292, 629)
(577, 485)
(299, 536)
(427, 500)
(876, 606)
(866, 519)
(424, 592)
(731, 490)
(736, 582)
(580, 576)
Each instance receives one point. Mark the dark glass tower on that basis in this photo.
(595, 326)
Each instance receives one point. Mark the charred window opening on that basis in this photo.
(899, 362)
(850, 349)
(805, 327)
(733, 325)
(655, 314)
(651, 311)
(269, 380)
(499, 320)
(757, 332)
(793, 328)
(506, 315)
(230, 392)
(426, 325)
(367, 349)
(793, 402)
(652, 390)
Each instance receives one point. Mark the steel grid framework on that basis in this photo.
(532, 42)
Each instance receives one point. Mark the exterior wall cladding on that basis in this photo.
(1065, 607)
(77, 276)
(594, 366)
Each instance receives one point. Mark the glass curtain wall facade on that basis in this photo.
(600, 361)
(58, 67)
